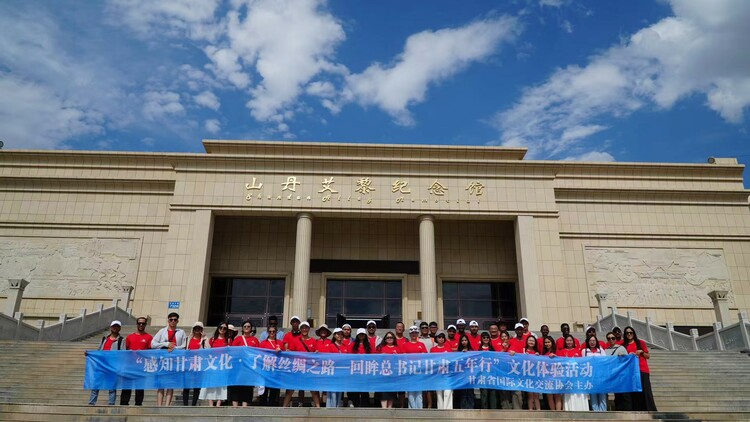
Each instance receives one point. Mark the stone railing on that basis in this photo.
(733, 337)
(76, 328)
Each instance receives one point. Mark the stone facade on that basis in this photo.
(656, 238)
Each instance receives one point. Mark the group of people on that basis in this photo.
(425, 338)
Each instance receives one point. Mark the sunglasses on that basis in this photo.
(174, 319)
(247, 326)
(222, 328)
(611, 338)
(629, 332)
(271, 332)
(140, 323)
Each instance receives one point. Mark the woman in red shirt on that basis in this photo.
(549, 349)
(333, 398)
(270, 396)
(388, 346)
(243, 393)
(215, 395)
(196, 342)
(444, 397)
(575, 401)
(360, 346)
(530, 349)
(643, 400)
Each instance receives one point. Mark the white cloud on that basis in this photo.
(428, 58)
(212, 126)
(592, 156)
(192, 18)
(207, 99)
(553, 3)
(225, 65)
(566, 26)
(700, 50)
(32, 116)
(289, 42)
(159, 104)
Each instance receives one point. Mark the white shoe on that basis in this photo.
(351, 404)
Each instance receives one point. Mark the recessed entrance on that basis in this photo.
(483, 302)
(361, 300)
(237, 299)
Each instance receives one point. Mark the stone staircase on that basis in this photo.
(44, 381)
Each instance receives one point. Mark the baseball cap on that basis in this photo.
(337, 330)
(453, 327)
(589, 328)
(361, 331)
(518, 325)
(371, 322)
(524, 319)
(231, 327)
(115, 322)
(346, 326)
(461, 321)
(304, 324)
(473, 324)
(198, 324)
(413, 329)
(293, 318)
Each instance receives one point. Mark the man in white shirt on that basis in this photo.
(170, 338)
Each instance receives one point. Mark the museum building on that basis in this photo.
(327, 231)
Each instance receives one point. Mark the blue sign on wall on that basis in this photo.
(174, 305)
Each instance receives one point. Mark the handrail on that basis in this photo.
(733, 337)
(66, 329)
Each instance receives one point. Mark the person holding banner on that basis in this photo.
(360, 346)
(593, 348)
(388, 346)
(169, 338)
(576, 401)
(549, 349)
(303, 344)
(414, 346)
(139, 340)
(622, 400)
(196, 342)
(270, 396)
(243, 394)
(444, 397)
(465, 396)
(643, 400)
(114, 341)
(215, 395)
(487, 396)
(334, 398)
(452, 340)
(532, 398)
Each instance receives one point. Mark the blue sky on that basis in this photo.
(581, 80)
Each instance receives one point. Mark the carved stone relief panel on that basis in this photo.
(70, 267)
(652, 277)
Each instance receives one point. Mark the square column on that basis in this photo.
(196, 279)
(301, 280)
(427, 272)
(528, 273)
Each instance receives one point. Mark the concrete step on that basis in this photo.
(26, 412)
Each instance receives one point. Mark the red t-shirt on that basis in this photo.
(249, 341)
(194, 344)
(417, 347)
(631, 348)
(475, 341)
(452, 344)
(401, 341)
(441, 349)
(108, 343)
(569, 353)
(288, 339)
(373, 342)
(137, 341)
(218, 342)
(303, 345)
(497, 344)
(348, 341)
(561, 343)
(331, 347)
(530, 352)
(389, 350)
(360, 349)
(271, 344)
(483, 348)
(516, 345)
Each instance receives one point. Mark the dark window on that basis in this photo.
(239, 299)
(363, 299)
(484, 302)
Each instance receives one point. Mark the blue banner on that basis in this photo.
(152, 369)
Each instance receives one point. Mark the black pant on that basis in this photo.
(270, 397)
(360, 399)
(644, 400)
(125, 397)
(623, 401)
(186, 396)
(241, 394)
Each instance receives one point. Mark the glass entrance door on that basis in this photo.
(363, 300)
(484, 302)
(237, 299)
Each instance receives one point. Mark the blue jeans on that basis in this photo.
(415, 399)
(334, 398)
(598, 402)
(95, 396)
